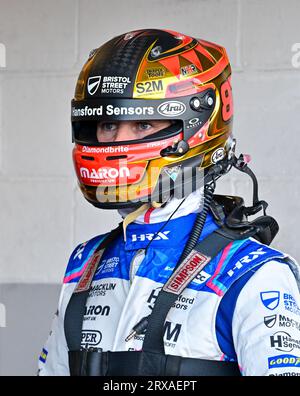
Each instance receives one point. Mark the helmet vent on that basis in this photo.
(86, 157)
(115, 157)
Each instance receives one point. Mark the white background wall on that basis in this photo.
(42, 213)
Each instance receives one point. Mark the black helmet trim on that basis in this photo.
(193, 110)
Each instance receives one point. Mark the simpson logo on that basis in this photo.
(93, 84)
(89, 272)
(104, 173)
(187, 270)
(172, 108)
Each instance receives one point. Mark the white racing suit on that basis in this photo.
(244, 306)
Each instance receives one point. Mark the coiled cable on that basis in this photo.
(199, 222)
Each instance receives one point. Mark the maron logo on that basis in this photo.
(171, 108)
(104, 173)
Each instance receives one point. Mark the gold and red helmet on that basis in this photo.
(151, 75)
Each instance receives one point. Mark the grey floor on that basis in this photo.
(29, 311)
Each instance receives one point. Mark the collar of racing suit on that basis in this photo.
(191, 204)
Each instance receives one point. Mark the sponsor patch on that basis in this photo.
(150, 236)
(93, 84)
(246, 260)
(91, 338)
(283, 361)
(270, 299)
(171, 108)
(188, 70)
(186, 271)
(283, 341)
(290, 304)
(201, 278)
(43, 356)
(282, 321)
(108, 265)
(89, 272)
(270, 321)
(173, 172)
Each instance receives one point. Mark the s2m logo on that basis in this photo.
(149, 86)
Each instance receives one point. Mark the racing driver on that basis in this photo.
(187, 284)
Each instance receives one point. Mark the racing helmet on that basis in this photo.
(151, 75)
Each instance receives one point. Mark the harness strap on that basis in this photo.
(182, 275)
(124, 363)
(76, 308)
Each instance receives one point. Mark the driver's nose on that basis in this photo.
(125, 132)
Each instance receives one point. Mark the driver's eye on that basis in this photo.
(144, 126)
(108, 126)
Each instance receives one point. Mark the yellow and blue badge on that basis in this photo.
(43, 356)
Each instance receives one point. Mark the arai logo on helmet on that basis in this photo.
(172, 108)
(93, 84)
(104, 173)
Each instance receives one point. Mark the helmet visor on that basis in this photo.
(108, 132)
